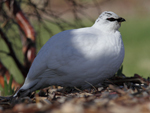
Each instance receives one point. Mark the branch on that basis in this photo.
(12, 53)
(26, 28)
(24, 24)
(1, 51)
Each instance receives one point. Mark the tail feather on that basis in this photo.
(25, 90)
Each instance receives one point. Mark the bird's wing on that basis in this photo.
(63, 51)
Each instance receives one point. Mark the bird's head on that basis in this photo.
(109, 21)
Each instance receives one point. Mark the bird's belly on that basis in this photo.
(89, 71)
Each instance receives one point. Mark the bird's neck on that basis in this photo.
(105, 28)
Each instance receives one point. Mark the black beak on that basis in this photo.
(121, 19)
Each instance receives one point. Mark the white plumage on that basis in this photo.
(75, 57)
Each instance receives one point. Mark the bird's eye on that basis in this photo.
(111, 19)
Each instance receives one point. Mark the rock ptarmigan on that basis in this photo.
(77, 56)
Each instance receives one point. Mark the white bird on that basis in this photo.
(74, 57)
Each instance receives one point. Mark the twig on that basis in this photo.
(12, 53)
(91, 85)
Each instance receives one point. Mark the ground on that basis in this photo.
(118, 95)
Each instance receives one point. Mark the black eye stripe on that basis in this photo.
(112, 19)
(119, 19)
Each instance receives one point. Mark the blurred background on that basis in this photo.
(26, 25)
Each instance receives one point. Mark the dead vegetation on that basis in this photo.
(117, 95)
